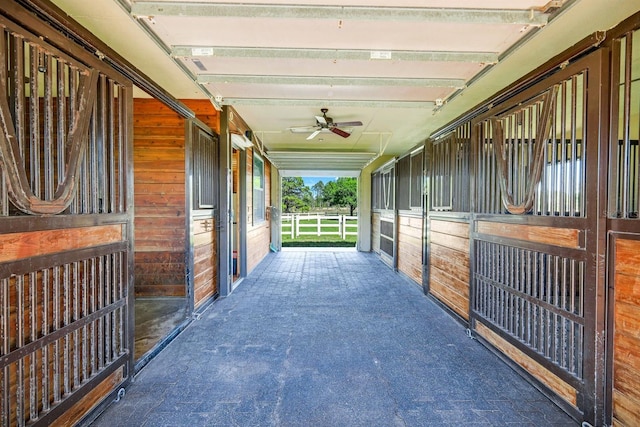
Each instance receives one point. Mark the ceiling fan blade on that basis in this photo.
(321, 120)
(347, 124)
(313, 135)
(340, 132)
(302, 129)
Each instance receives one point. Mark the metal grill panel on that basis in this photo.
(43, 96)
(60, 327)
(561, 188)
(450, 174)
(535, 297)
(625, 170)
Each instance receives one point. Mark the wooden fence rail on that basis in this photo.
(296, 225)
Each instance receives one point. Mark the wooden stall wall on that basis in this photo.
(448, 251)
(623, 379)
(66, 226)
(160, 199)
(259, 230)
(409, 202)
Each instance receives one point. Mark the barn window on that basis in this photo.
(205, 160)
(258, 189)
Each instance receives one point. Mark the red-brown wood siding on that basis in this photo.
(159, 179)
(626, 340)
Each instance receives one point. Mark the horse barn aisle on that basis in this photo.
(328, 339)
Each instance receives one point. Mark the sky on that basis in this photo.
(310, 181)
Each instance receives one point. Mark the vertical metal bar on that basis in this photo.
(48, 126)
(111, 152)
(33, 336)
(46, 301)
(66, 310)
(5, 306)
(627, 126)
(574, 190)
(5, 63)
(17, 67)
(563, 304)
(20, 342)
(56, 326)
(75, 317)
(34, 121)
(121, 150)
(572, 305)
(100, 292)
(107, 300)
(61, 119)
(85, 313)
(100, 199)
(93, 307)
(563, 153)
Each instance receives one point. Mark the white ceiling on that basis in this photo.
(278, 62)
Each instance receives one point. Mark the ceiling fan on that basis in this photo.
(324, 123)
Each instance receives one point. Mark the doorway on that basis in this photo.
(238, 215)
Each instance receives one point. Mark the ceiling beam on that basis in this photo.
(369, 13)
(427, 105)
(334, 54)
(329, 81)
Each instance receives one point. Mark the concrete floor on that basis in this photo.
(328, 339)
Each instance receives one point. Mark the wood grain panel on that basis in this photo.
(460, 229)
(451, 290)
(449, 264)
(205, 260)
(410, 247)
(454, 242)
(375, 233)
(566, 237)
(160, 199)
(205, 112)
(625, 410)
(455, 263)
(90, 400)
(626, 340)
(561, 388)
(15, 246)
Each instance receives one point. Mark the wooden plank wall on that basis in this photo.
(258, 235)
(205, 261)
(449, 264)
(626, 339)
(159, 195)
(410, 246)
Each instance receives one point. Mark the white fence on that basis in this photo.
(296, 225)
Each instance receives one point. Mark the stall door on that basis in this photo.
(65, 229)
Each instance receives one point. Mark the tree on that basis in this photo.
(318, 189)
(343, 192)
(296, 197)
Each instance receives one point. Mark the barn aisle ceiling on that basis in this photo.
(403, 71)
